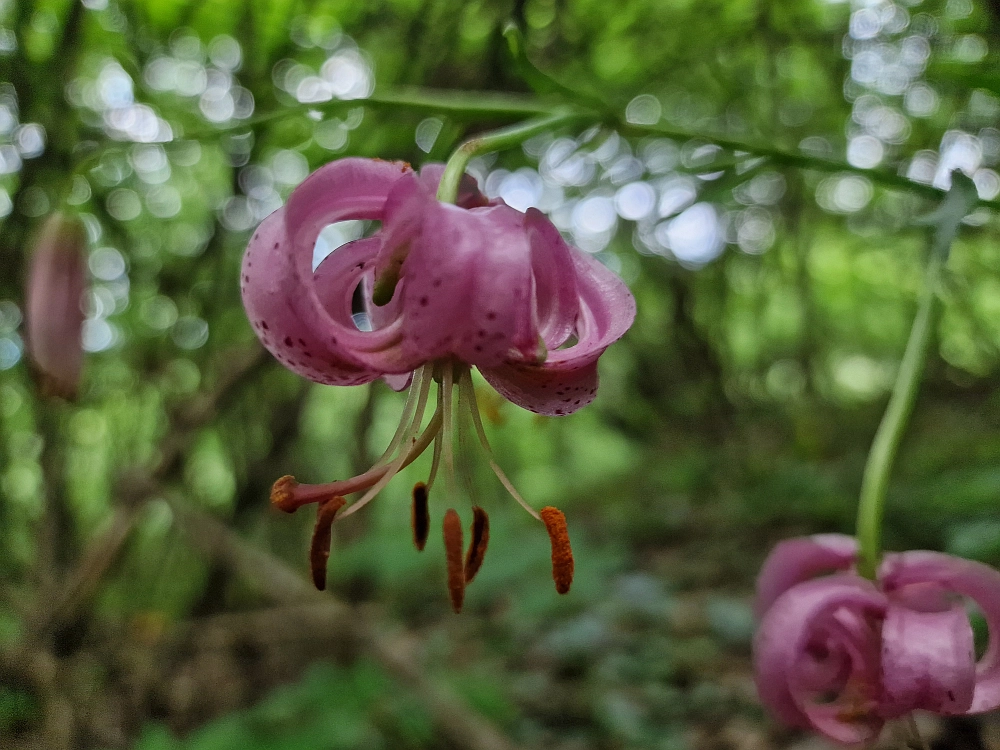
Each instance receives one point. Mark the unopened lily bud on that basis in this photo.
(57, 278)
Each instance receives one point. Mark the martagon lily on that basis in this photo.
(446, 288)
(840, 654)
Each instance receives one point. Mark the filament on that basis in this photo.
(465, 383)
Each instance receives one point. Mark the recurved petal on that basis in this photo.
(567, 380)
(796, 560)
(555, 280)
(283, 313)
(977, 581)
(928, 661)
(352, 188)
(819, 620)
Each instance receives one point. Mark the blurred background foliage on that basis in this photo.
(758, 188)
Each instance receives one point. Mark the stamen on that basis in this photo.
(406, 418)
(453, 555)
(283, 492)
(289, 495)
(405, 456)
(465, 383)
(477, 545)
(435, 462)
(319, 550)
(562, 554)
(444, 402)
(420, 517)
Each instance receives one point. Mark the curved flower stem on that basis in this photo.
(875, 481)
(496, 140)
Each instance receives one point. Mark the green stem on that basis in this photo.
(497, 140)
(885, 177)
(875, 481)
(488, 105)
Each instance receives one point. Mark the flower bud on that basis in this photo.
(57, 278)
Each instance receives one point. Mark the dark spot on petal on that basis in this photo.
(424, 301)
(491, 316)
(276, 245)
(263, 324)
(481, 333)
(477, 348)
(437, 283)
(288, 341)
(302, 342)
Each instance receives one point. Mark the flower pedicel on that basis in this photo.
(446, 288)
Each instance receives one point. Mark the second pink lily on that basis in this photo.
(841, 654)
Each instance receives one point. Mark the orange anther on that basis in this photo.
(420, 517)
(562, 553)
(453, 554)
(319, 550)
(477, 545)
(283, 494)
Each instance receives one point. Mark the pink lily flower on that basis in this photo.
(840, 654)
(446, 288)
(57, 278)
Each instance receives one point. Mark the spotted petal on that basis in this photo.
(567, 380)
(466, 282)
(980, 583)
(280, 293)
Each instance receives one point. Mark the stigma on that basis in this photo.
(412, 438)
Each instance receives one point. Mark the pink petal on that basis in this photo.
(555, 280)
(57, 278)
(975, 580)
(567, 380)
(796, 560)
(823, 620)
(928, 661)
(466, 288)
(304, 318)
(273, 297)
(351, 188)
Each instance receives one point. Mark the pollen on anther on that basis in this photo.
(562, 553)
(453, 555)
(282, 494)
(420, 517)
(319, 550)
(477, 544)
